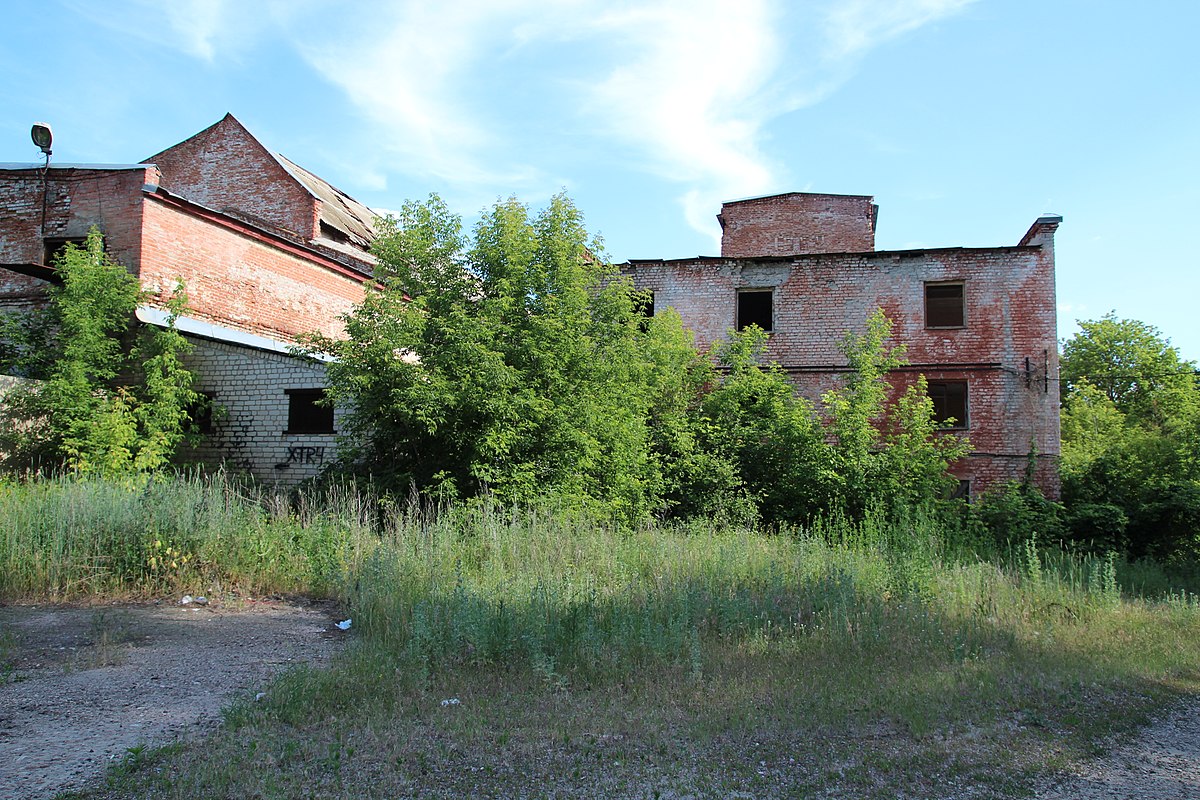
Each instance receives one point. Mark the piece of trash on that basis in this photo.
(259, 696)
(200, 600)
(186, 600)
(343, 625)
(453, 701)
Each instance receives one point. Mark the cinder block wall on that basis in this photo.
(249, 427)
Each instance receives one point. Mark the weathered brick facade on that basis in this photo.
(262, 257)
(1002, 346)
(795, 223)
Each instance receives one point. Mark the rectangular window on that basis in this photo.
(201, 413)
(308, 412)
(643, 303)
(755, 307)
(52, 246)
(944, 305)
(949, 402)
(962, 491)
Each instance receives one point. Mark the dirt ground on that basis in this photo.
(1161, 763)
(79, 686)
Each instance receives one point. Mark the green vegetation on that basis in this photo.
(623, 567)
(106, 401)
(589, 657)
(1131, 443)
(75, 538)
(515, 366)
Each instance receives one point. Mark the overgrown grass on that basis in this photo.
(594, 659)
(71, 538)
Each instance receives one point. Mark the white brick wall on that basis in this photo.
(251, 412)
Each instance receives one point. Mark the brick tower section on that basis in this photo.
(798, 223)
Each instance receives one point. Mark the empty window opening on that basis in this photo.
(961, 491)
(949, 402)
(52, 247)
(201, 413)
(643, 303)
(944, 306)
(308, 412)
(755, 307)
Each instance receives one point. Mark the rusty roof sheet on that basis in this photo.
(339, 210)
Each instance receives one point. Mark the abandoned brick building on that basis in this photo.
(266, 249)
(979, 323)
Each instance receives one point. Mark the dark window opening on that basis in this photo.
(643, 307)
(52, 247)
(944, 306)
(643, 303)
(308, 412)
(949, 402)
(962, 491)
(755, 307)
(201, 413)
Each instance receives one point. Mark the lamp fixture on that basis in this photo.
(42, 136)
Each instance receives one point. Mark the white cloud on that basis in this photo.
(197, 23)
(483, 95)
(853, 27)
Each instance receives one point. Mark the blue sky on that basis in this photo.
(966, 119)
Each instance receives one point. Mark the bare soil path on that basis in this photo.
(1162, 762)
(79, 686)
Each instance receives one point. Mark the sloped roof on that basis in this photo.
(350, 221)
(338, 209)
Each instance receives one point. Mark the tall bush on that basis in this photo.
(109, 398)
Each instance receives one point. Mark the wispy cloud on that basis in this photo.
(683, 89)
(852, 27)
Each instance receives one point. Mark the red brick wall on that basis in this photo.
(246, 280)
(238, 279)
(1010, 316)
(76, 199)
(796, 223)
(225, 168)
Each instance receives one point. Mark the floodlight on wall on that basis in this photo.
(42, 136)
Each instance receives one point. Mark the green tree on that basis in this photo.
(765, 445)
(1130, 438)
(1133, 365)
(108, 399)
(510, 363)
(513, 362)
(887, 453)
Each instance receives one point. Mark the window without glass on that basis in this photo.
(962, 491)
(643, 303)
(944, 306)
(949, 402)
(755, 307)
(307, 411)
(52, 246)
(201, 413)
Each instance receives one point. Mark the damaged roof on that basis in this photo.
(339, 210)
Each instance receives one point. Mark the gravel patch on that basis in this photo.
(80, 686)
